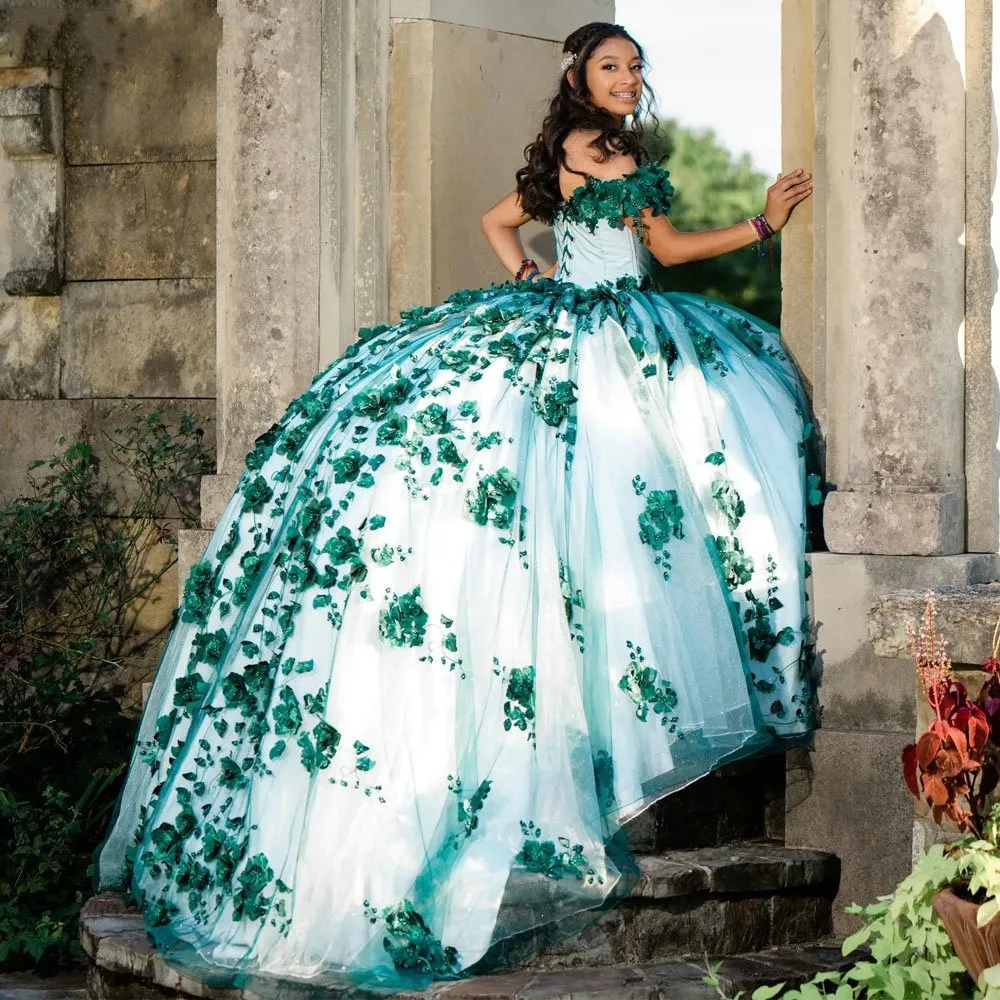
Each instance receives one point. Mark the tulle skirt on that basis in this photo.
(510, 571)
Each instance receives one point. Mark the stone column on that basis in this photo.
(896, 280)
(894, 316)
(301, 212)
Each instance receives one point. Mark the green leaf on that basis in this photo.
(766, 992)
(855, 940)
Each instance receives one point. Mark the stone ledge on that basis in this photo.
(114, 938)
(753, 868)
(726, 901)
(966, 618)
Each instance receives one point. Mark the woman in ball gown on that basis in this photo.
(511, 570)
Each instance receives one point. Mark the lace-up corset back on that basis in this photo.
(593, 243)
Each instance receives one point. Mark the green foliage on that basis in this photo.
(910, 956)
(75, 575)
(715, 189)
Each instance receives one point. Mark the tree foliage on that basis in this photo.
(75, 575)
(714, 189)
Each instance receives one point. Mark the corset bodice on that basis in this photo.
(604, 255)
(593, 242)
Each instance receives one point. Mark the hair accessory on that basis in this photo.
(567, 61)
(524, 271)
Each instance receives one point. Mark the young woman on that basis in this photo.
(510, 571)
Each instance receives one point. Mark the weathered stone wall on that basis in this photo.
(128, 202)
(446, 80)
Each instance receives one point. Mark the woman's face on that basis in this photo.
(614, 76)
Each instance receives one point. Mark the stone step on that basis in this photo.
(720, 901)
(27, 986)
(717, 900)
(737, 802)
(681, 979)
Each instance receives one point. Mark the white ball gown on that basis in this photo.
(511, 570)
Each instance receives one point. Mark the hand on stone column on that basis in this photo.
(784, 194)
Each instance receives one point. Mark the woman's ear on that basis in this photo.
(571, 77)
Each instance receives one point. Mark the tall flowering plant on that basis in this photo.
(955, 764)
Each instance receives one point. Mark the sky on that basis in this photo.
(715, 64)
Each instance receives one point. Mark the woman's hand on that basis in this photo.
(784, 194)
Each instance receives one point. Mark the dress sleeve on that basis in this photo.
(647, 187)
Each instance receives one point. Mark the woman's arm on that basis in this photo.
(670, 247)
(500, 226)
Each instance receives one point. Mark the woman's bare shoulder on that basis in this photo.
(583, 160)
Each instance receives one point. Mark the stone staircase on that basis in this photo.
(715, 880)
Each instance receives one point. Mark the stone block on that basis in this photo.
(487, 987)
(966, 619)
(29, 347)
(893, 522)
(35, 228)
(30, 112)
(11, 43)
(848, 797)
(140, 85)
(150, 220)
(621, 983)
(30, 135)
(216, 492)
(138, 338)
(857, 689)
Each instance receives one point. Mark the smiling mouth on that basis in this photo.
(624, 95)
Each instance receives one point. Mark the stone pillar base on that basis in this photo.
(891, 522)
(847, 794)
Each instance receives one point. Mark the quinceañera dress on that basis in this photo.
(511, 570)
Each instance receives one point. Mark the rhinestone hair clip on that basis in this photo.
(567, 61)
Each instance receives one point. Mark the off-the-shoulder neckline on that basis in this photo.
(592, 181)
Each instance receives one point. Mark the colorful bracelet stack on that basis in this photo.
(526, 270)
(765, 234)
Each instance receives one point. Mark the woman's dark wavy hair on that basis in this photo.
(573, 108)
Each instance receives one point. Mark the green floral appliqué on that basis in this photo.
(468, 808)
(554, 859)
(648, 693)
(199, 593)
(404, 621)
(554, 405)
(612, 200)
(737, 565)
(729, 502)
(519, 708)
(661, 521)
(493, 501)
(411, 945)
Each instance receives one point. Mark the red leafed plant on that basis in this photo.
(955, 764)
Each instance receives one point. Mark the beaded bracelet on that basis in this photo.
(761, 227)
(526, 265)
(764, 233)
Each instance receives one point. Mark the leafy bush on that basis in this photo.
(76, 572)
(716, 189)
